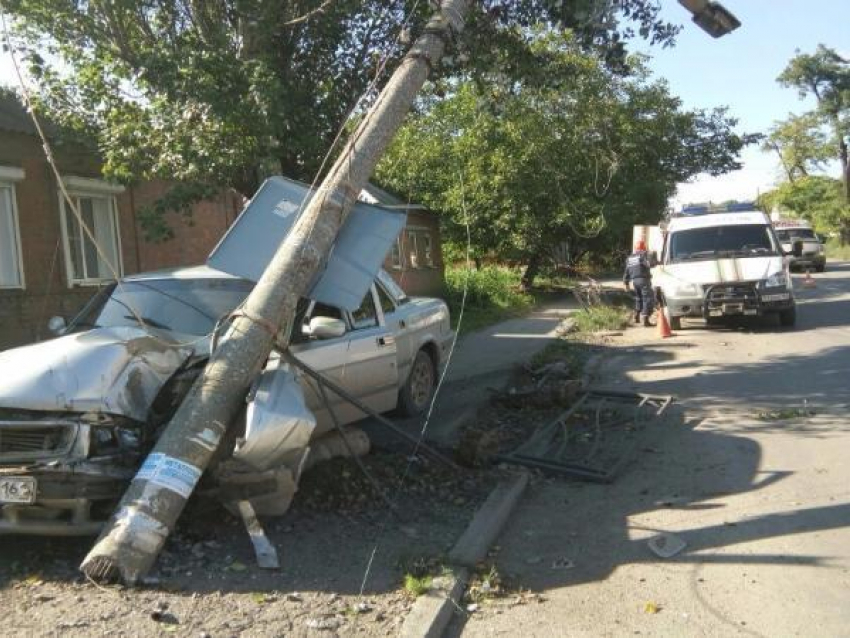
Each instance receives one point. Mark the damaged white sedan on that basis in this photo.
(79, 414)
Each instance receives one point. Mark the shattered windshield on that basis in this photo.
(185, 306)
(788, 235)
(745, 240)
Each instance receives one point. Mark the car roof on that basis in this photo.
(718, 219)
(184, 272)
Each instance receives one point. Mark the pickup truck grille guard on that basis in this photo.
(719, 295)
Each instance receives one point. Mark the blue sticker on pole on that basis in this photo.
(173, 474)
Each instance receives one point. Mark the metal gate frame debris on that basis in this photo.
(548, 447)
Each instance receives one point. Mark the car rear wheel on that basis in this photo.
(419, 387)
(675, 322)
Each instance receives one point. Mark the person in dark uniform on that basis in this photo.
(639, 276)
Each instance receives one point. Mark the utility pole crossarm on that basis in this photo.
(148, 511)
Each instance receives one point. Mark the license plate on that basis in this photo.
(17, 489)
(733, 308)
(751, 312)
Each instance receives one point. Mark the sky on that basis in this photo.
(738, 70)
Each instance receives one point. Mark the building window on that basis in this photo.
(11, 265)
(421, 248)
(86, 264)
(395, 255)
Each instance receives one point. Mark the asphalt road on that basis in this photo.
(762, 500)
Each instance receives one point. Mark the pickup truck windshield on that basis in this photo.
(184, 306)
(787, 235)
(745, 240)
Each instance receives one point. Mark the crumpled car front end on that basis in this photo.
(61, 474)
(75, 422)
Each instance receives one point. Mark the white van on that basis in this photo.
(721, 263)
(789, 231)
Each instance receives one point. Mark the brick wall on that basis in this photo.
(24, 313)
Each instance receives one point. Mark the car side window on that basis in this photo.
(366, 316)
(323, 310)
(387, 304)
(305, 311)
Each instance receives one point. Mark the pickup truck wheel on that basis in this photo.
(416, 394)
(787, 318)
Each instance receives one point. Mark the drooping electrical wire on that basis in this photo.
(442, 378)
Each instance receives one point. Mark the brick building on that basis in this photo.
(416, 260)
(49, 266)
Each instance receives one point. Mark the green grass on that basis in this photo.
(417, 585)
(493, 294)
(834, 250)
(598, 318)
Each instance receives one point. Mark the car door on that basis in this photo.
(396, 322)
(372, 358)
(329, 357)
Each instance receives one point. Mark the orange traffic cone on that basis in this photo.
(663, 326)
(809, 281)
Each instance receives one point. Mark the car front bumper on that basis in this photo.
(817, 260)
(73, 498)
(764, 301)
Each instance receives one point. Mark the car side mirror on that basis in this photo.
(797, 248)
(326, 328)
(57, 325)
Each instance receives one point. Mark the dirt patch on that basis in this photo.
(207, 582)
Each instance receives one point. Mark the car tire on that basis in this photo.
(788, 318)
(675, 322)
(415, 396)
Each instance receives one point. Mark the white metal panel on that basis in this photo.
(363, 242)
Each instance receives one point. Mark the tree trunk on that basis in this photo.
(147, 513)
(532, 269)
(844, 232)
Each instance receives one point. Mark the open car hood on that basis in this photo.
(112, 370)
(361, 246)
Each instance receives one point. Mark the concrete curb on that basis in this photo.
(432, 612)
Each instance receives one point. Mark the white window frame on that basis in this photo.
(413, 247)
(397, 255)
(93, 188)
(9, 176)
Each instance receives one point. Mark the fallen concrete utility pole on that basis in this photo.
(136, 532)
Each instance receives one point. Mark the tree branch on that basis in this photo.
(309, 14)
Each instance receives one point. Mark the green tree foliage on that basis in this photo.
(803, 147)
(533, 165)
(800, 145)
(223, 92)
(825, 75)
(816, 198)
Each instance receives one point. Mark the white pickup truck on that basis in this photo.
(717, 263)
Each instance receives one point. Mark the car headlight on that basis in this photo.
(685, 290)
(776, 280)
(114, 439)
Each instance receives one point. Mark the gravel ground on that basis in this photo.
(207, 582)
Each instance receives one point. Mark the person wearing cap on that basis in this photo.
(638, 278)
